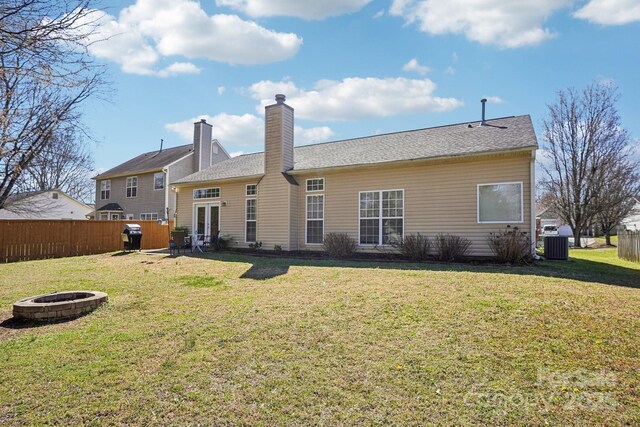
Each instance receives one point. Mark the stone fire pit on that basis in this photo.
(59, 305)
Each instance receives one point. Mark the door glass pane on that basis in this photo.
(215, 211)
(200, 219)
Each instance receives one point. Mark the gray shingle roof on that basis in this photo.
(509, 133)
(148, 161)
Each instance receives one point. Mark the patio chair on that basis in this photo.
(211, 241)
(177, 241)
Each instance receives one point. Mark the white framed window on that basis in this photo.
(115, 216)
(148, 216)
(315, 219)
(252, 189)
(132, 186)
(105, 189)
(381, 217)
(206, 193)
(129, 216)
(315, 184)
(500, 202)
(104, 216)
(251, 213)
(158, 181)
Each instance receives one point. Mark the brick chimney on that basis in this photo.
(278, 137)
(202, 135)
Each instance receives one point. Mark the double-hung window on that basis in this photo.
(500, 203)
(132, 186)
(315, 218)
(158, 181)
(251, 214)
(105, 189)
(252, 189)
(381, 217)
(315, 184)
(148, 216)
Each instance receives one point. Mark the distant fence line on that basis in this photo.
(629, 245)
(23, 240)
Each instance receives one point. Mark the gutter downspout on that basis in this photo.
(166, 192)
(533, 204)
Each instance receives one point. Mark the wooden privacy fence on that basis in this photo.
(22, 240)
(629, 245)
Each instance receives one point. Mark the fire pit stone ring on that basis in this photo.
(59, 305)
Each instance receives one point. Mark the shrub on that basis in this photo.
(255, 246)
(339, 245)
(511, 245)
(450, 247)
(415, 247)
(277, 249)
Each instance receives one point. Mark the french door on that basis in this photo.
(206, 219)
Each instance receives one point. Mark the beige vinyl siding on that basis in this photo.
(178, 170)
(232, 216)
(273, 216)
(147, 199)
(220, 156)
(439, 197)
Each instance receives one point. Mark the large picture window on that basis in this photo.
(381, 217)
(501, 202)
(158, 181)
(105, 189)
(251, 216)
(315, 218)
(206, 193)
(132, 186)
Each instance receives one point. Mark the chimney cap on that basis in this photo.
(280, 98)
(483, 100)
(203, 121)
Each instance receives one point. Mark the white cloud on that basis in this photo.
(413, 65)
(179, 68)
(508, 24)
(304, 136)
(450, 71)
(494, 99)
(610, 12)
(305, 9)
(150, 30)
(221, 90)
(236, 153)
(355, 98)
(239, 133)
(379, 14)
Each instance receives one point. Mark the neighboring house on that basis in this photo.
(465, 179)
(632, 221)
(549, 216)
(137, 188)
(47, 204)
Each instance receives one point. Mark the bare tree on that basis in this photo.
(584, 141)
(46, 73)
(616, 201)
(65, 164)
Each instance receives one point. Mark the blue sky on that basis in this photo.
(349, 68)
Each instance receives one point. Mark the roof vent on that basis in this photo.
(203, 121)
(280, 98)
(484, 102)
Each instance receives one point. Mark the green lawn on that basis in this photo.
(236, 340)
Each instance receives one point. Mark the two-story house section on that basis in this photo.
(138, 188)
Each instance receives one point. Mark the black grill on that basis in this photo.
(132, 237)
